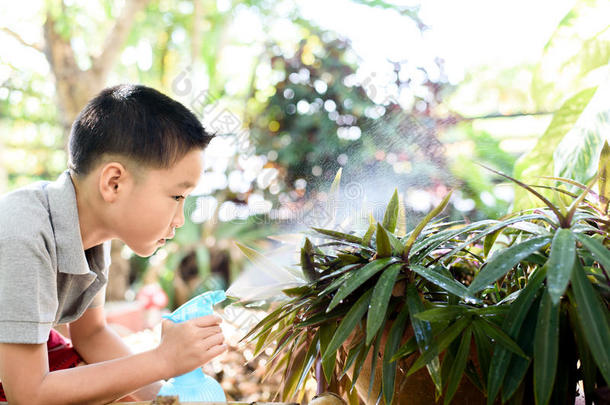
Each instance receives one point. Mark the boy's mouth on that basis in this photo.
(161, 241)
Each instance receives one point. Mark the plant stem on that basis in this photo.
(320, 377)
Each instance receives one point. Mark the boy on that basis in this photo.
(134, 156)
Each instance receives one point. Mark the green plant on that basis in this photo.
(530, 291)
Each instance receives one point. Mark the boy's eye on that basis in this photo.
(178, 197)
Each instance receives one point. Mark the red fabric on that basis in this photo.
(61, 355)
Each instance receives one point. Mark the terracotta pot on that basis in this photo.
(418, 388)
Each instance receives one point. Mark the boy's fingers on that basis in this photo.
(210, 331)
(213, 340)
(208, 320)
(166, 323)
(217, 350)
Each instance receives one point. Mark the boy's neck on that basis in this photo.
(92, 229)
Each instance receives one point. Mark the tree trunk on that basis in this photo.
(74, 87)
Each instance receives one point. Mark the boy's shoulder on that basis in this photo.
(22, 211)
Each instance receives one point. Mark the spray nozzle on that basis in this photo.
(201, 305)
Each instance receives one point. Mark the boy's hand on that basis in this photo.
(187, 345)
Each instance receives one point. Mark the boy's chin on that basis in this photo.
(146, 251)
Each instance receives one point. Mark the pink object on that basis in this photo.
(128, 314)
(152, 296)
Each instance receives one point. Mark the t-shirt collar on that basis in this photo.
(71, 257)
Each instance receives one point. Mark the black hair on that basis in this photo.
(136, 122)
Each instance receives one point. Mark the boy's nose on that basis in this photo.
(179, 218)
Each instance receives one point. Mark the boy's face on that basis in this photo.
(154, 207)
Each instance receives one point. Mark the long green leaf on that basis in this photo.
(436, 239)
(401, 222)
(351, 357)
(342, 271)
(504, 261)
(519, 309)
(391, 213)
(325, 334)
(332, 204)
(307, 263)
(388, 369)
(603, 173)
(560, 264)
(339, 235)
(423, 333)
(394, 242)
(444, 282)
(359, 363)
(323, 317)
(496, 333)
(359, 278)
(299, 368)
(411, 240)
(335, 186)
(593, 317)
(484, 350)
(441, 313)
(443, 340)
(260, 342)
(347, 325)
(407, 349)
(458, 366)
(492, 229)
(548, 203)
(263, 263)
(599, 251)
(566, 377)
(366, 239)
(296, 355)
(546, 347)
(489, 242)
(589, 369)
(377, 351)
(518, 365)
(269, 321)
(310, 357)
(577, 203)
(380, 299)
(384, 249)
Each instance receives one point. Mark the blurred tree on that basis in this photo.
(572, 78)
(76, 86)
(321, 114)
(86, 46)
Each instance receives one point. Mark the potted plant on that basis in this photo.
(516, 306)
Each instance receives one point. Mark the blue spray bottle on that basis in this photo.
(195, 385)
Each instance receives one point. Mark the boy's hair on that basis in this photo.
(135, 122)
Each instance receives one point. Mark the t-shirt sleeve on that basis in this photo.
(99, 299)
(28, 291)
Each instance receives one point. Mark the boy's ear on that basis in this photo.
(113, 180)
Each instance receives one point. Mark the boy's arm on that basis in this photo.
(184, 346)
(26, 379)
(96, 342)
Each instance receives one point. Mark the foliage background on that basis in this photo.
(294, 98)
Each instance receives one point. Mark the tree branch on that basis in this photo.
(103, 63)
(19, 39)
(500, 115)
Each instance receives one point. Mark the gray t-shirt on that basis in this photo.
(46, 277)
